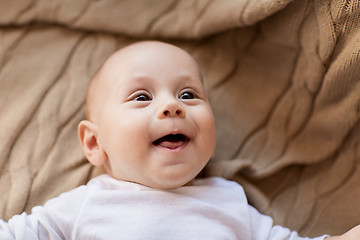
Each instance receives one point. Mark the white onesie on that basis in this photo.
(106, 208)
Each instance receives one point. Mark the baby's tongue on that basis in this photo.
(170, 141)
(171, 144)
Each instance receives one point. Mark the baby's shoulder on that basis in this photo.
(218, 182)
(74, 197)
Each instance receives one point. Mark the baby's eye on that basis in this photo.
(142, 97)
(187, 95)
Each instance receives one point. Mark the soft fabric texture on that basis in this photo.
(282, 76)
(106, 208)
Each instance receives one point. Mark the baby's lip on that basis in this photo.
(172, 141)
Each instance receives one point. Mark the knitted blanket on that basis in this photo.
(283, 78)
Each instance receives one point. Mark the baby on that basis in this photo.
(150, 125)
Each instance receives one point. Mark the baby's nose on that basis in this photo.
(172, 109)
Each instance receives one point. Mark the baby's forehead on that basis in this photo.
(126, 58)
(145, 50)
(155, 57)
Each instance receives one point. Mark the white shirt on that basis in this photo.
(106, 208)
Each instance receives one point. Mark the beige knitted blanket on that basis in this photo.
(283, 78)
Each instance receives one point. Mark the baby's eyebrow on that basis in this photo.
(132, 84)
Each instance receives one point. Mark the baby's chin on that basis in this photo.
(169, 182)
(169, 186)
(159, 183)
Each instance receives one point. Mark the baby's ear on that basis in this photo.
(88, 135)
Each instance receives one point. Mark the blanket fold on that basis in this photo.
(188, 19)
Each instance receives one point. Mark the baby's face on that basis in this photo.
(155, 124)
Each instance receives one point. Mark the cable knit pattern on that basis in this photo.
(282, 76)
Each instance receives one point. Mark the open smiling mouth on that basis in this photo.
(172, 141)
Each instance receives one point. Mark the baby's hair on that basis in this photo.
(89, 93)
